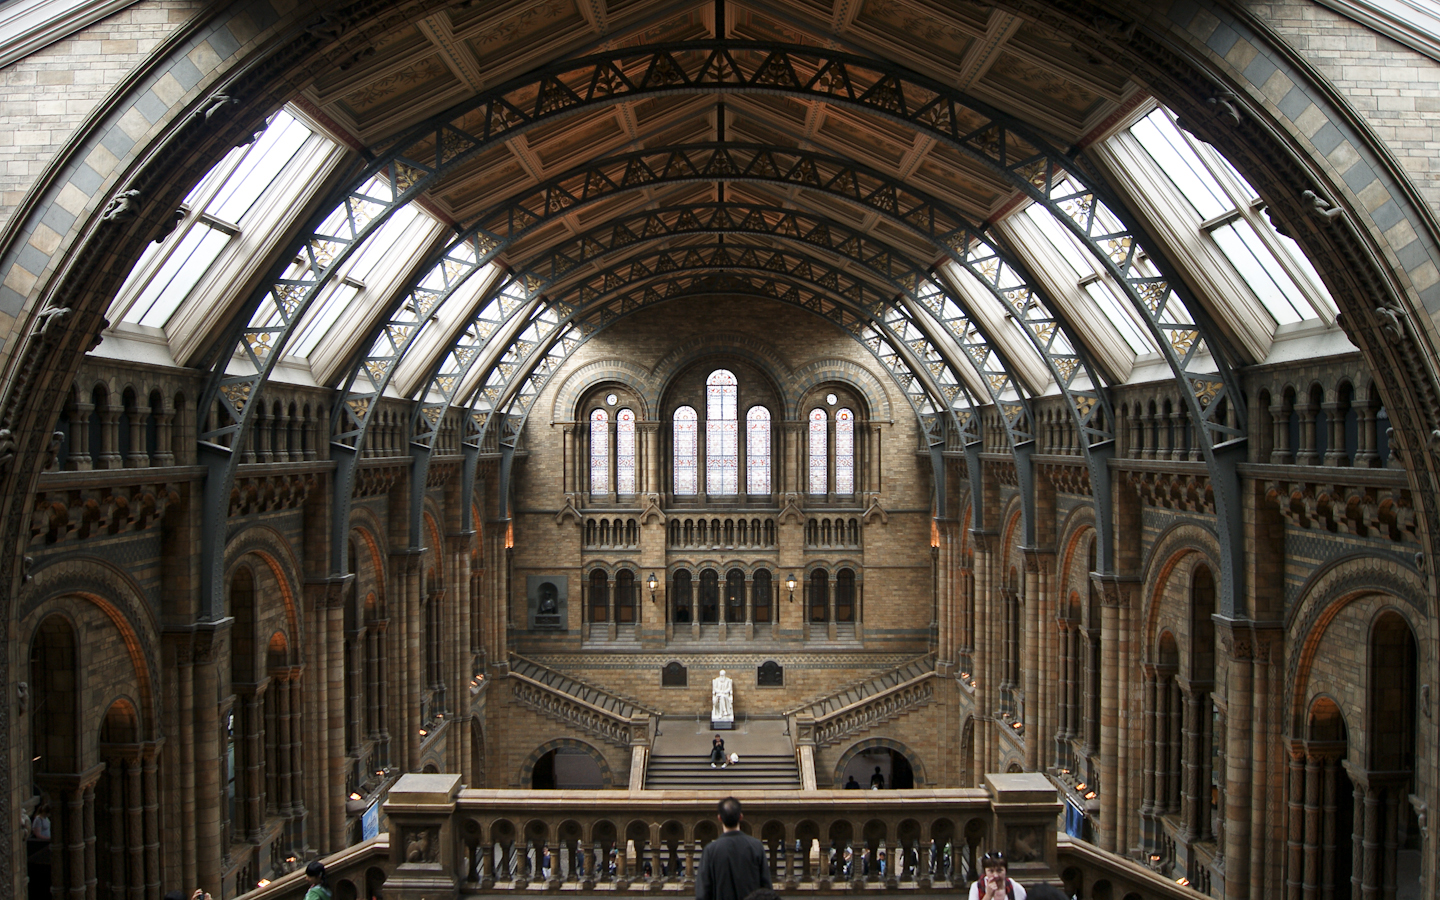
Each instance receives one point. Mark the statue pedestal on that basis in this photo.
(722, 724)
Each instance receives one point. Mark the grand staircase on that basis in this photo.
(860, 692)
(754, 772)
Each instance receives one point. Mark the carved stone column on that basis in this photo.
(80, 458)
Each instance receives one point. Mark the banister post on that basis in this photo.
(421, 809)
(1026, 807)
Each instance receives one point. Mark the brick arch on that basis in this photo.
(527, 768)
(619, 371)
(277, 553)
(1352, 579)
(117, 595)
(846, 372)
(1076, 534)
(859, 747)
(764, 357)
(1176, 551)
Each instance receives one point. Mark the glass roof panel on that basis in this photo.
(1275, 289)
(169, 287)
(1160, 137)
(264, 159)
(1095, 281)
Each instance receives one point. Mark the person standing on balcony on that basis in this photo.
(733, 864)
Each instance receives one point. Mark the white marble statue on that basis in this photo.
(722, 698)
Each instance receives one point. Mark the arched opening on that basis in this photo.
(879, 768)
(566, 768)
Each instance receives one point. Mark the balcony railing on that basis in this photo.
(447, 842)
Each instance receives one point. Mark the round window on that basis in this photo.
(611, 399)
(831, 399)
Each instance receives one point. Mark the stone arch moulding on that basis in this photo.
(842, 370)
(859, 747)
(759, 354)
(577, 383)
(1342, 582)
(140, 647)
(278, 555)
(527, 768)
(1173, 546)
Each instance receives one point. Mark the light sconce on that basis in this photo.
(651, 583)
(790, 583)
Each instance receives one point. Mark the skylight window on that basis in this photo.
(223, 211)
(1229, 210)
(1095, 281)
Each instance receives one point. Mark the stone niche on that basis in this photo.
(547, 602)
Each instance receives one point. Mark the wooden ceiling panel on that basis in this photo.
(495, 39)
(598, 134)
(422, 77)
(926, 31)
(1013, 76)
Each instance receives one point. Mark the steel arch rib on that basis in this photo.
(521, 386)
(412, 163)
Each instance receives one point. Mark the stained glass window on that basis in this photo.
(722, 434)
(757, 450)
(819, 482)
(599, 452)
(844, 452)
(687, 451)
(625, 451)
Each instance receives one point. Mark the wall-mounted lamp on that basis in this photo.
(652, 584)
(790, 583)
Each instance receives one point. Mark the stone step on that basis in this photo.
(753, 772)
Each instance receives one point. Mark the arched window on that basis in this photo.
(625, 451)
(734, 596)
(819, 440)
(599, 452)
(684, 587)
(844, 452)
(760, 595)
(845, 595)
(819, 596)
(709, 596)
(599, 596)
(722, 447)
(757, 450)
(625, 597)
(687, 452)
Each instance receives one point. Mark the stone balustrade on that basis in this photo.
(445, 841)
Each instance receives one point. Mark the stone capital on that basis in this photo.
(1116, 590)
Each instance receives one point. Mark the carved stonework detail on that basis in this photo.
(1067, 478)
(374, 481)
(268, 493)
(106, 509)
(608, 728)
(422, 845)
(1361, 510)
(1180, 491)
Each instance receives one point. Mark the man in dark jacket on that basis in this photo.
(733, 864)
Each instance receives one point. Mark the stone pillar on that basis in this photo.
(80, 459)
(422, 840)
(1335, 440)
(1109, 719)
(151, 788)
(335, 595)
(1026, 808)
(1238, 644)
(1295, 824)
(164, 434)
(1149, 826)
(207, 834)
(1031, 673)
(1281, 453)
(1306, 454)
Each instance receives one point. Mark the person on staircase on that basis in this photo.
(717, 753)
